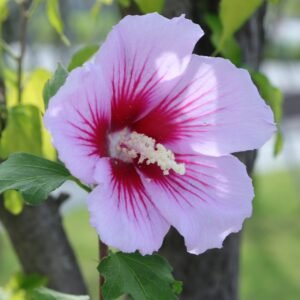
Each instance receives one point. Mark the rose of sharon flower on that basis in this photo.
(151, 127)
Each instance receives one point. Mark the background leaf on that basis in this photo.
(13, 202)
(47, 294)
(233, 14)
(81, 56)
(3, 10)
(55, 20)
(34, 176)
(24, 128)
(143, 277)
(148, 6)
(273, 96)
(53, 84)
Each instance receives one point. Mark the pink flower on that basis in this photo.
(152, 126)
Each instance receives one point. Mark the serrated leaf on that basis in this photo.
(55, 20)
(81, 56)
(273, 96)
(233, 14)
(53, 85)
(148, 6)
(142, 277)
(13, 202)
(34, 176)
(23, 131)
(230, 49)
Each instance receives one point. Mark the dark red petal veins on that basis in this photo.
(128, 186)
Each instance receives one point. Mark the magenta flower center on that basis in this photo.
(132, 146)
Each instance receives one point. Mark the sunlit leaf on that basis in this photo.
(33, 88)
(230, 49)
(53, 84)
(142, 277)
(34, 176)
(233, 14)
(13, 202)
(81, 56)
(23, 131)
(10, 81)
(55, 20)
(148, 6)
(124, 3)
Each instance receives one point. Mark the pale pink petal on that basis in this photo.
(207, 203)
(122, 211)
(139, 54)
(215, 109)
(78, 117)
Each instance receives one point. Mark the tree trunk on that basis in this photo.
(213, 275)
(42, 247)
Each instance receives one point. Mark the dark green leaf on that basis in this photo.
(53, 85)
(23, 132)
(148, 6)
(81, 56)
(233, 14)
(34, 176)
(142, 277)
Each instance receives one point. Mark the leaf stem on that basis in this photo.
(8, 49)
(103, 252)
(79, 183)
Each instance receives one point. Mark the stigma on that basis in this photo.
(129, 146)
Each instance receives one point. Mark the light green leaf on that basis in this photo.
(55, 20)
(233, 14)
(3, 10)
(13, 202)
(81, 56)
(33, 88)
(142, 277)
(230, 49)
(34, 176)
(273, 96)
(53, 85)
(23, 131)
(148, 6)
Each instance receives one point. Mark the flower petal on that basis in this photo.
(207, 203)
(138, 54)
(215, 110)
(78, 117)
(121, 210)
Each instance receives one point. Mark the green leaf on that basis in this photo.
(13, 202)
(34, 176)
(53, 85)
(148, 6)
(55, 20)
(47, 294)
(273, 96)
(142, 277)
(124, 3)
(3, 10)
(23, 131)
(81, 56)
(33, 88)
(230, 49)
(233, 14)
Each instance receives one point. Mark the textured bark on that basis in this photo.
(42, 247)
(213, 275)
